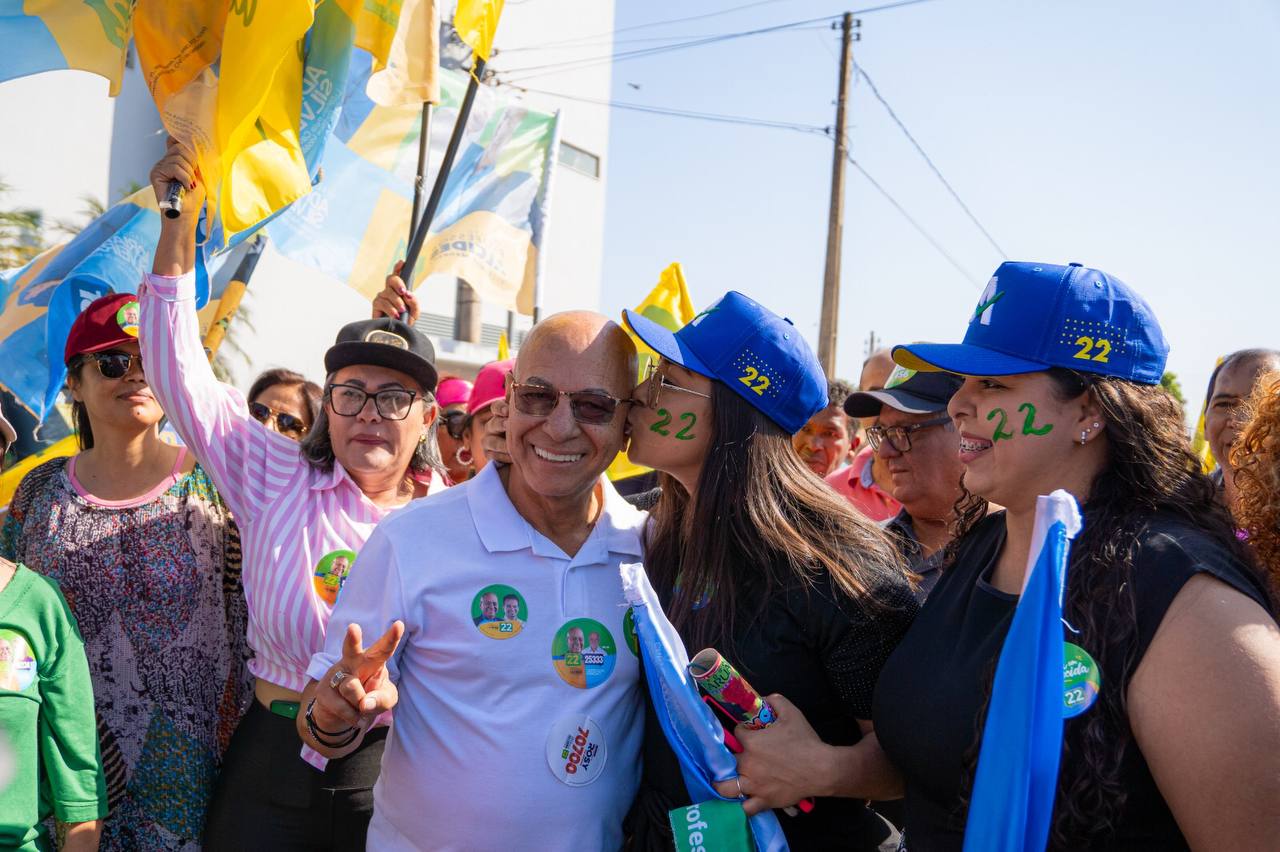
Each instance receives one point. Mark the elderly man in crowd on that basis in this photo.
(828, 441)
(914, 436)
(522, 742)
(865, 482)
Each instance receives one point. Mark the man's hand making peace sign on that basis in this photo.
(354, 692)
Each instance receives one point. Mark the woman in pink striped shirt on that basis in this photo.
(304, 512)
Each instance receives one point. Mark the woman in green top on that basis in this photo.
(46, 714)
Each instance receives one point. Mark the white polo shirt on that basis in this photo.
(510, 733)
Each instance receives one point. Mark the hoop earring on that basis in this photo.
(459, 456)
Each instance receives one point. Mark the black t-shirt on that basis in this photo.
(934, 687)
(824, 652)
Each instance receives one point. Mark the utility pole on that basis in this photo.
(827, 328)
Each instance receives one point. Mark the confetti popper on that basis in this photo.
(720, 680)
(730, 691)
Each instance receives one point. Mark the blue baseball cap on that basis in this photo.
(750, 349)
(1033, 316)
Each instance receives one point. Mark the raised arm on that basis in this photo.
(247, 462)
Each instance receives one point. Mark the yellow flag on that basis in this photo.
(1199, 443)
(244, 120)
(668, 304)
(476, 21)
(408, 68)
(504, 348)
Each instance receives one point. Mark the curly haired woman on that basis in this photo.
(1256, 460)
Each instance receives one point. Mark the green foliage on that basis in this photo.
(1169, 381)
(20, 238)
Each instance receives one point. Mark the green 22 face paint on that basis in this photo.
(1029, 426)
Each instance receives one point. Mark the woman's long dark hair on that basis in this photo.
(1150, 470)
(760, 517)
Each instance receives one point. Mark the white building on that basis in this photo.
(74, 142)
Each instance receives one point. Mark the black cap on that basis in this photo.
(906, 390)
(384, 342)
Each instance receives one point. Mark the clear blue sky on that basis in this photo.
(1139, 137)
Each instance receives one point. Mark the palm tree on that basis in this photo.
(20, 238)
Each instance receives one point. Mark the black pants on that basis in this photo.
(268, 797)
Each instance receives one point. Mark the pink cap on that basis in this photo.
(490, 384)
(452, 390)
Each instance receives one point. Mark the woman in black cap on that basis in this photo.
(302, 509)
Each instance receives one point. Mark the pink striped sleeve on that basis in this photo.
(212, 418)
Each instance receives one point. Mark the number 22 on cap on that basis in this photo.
(754, 380)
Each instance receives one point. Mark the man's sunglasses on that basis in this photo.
(455, 423)
(286, 423)
(114, 365)
(591, 408)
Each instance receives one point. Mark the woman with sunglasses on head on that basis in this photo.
(285, 402)
(1175, 745)
(305, 510)
(137, 536)
(754, 556)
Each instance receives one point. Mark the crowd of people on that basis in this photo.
(387, 611)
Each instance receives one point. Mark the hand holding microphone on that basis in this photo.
(176, 182)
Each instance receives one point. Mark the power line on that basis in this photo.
(867, 11)
(912, 221)
(655, 24)
(579, 64)
(683, 113)
(965, 207)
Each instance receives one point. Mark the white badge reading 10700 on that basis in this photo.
(576, 750)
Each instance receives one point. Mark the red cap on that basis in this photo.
(108, 321)
(490, 384)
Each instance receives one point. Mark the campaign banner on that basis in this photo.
(354, 226)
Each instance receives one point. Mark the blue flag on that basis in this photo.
(691, 728)
(1013, 791)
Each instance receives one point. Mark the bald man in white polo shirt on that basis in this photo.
(506, 734)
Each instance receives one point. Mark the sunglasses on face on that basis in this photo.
(349, 400)
(592, 408)
(115, 365)
(899, 437)
(655, 383)
(455, 423)
(285, 423)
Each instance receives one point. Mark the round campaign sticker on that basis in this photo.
(499, 611)
(332, 572)
(584, 653)
(17, 663)
(629, 631)
(576, 750)
(128, 317)
(1081, 680)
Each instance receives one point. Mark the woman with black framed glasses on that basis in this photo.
(136, 535)
(306, 510)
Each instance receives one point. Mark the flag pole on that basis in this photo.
(437, 190)
(232, 295)
(424, 137)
